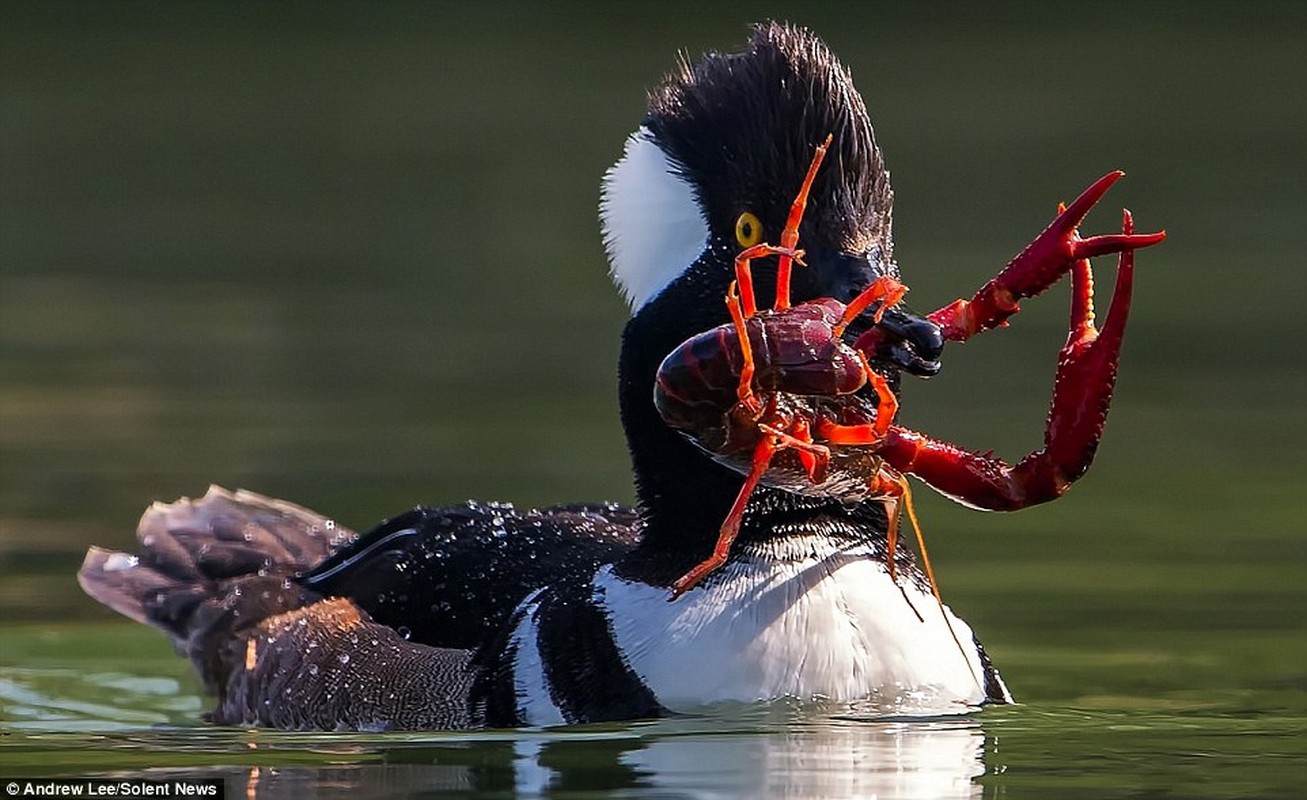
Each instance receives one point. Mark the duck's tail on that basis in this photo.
(218, 575)
(211, 569)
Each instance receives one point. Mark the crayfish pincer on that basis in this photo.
(779, 396)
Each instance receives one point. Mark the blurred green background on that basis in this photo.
(347, 255)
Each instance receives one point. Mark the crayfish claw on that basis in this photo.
(1070, 217)
(1043, 262)
(1114, 327)
(1086, 373)
(1114, 243)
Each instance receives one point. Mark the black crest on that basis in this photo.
(743, 127)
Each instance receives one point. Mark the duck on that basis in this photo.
(483, 615)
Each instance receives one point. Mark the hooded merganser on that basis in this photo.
(484, 615)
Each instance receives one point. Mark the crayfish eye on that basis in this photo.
(748, 230)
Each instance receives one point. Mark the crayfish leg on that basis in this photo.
(836, 433)
(744, 285)
(762, 456)
(892, 490)
(898, 495)
(814, 457)
(744, 272)
(887, 406)
(745, 390)
(885, 289)
(790, 235)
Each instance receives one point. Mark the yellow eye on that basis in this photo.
(748, 230)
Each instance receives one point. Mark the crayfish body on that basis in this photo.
(805, 376)
(778, 395)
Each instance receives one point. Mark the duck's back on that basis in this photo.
(295, 622)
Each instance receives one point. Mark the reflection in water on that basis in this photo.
(842, 759)
(884, 760)
(735, 751)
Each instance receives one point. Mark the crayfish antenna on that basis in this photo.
(930, 572)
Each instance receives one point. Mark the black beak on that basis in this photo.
(911, 343)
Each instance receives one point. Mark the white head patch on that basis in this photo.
(652, 224)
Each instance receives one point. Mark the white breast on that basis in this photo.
(832, 627)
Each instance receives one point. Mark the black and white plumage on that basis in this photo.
(483, 615)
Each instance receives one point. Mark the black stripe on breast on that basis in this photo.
(995, 690)
(588, 678)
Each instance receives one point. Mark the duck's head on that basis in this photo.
(714, 168)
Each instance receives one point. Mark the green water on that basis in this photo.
(349, 257)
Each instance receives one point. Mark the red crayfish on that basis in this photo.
(775, 393)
